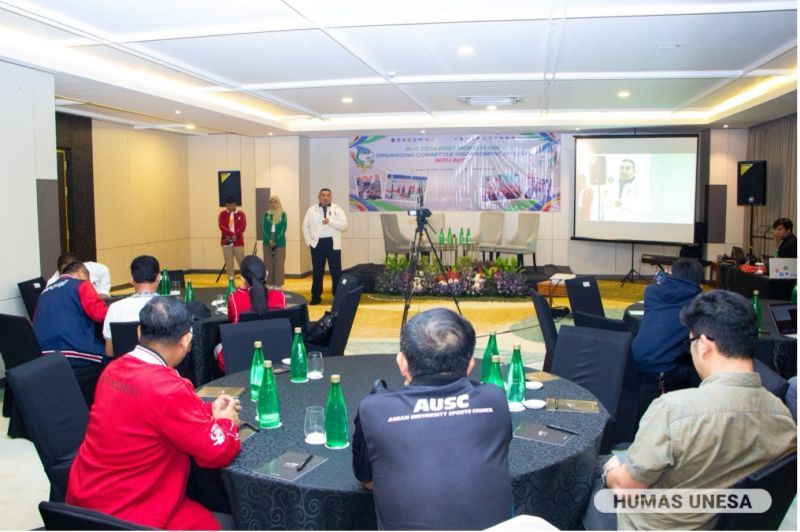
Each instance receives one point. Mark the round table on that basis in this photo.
(207, 295)
(551, 481)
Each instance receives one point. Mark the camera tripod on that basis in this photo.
(416, 245)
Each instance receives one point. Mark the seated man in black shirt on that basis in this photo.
(782, 231)
(436, 451)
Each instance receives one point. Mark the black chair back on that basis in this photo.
(547, 326)
(18, 345)
(780, 480)
(771, 380)
(124, 336)
(594, 321)
(238, 338)
(30, 290)
(297, 316)
(344, 308)
(55, 414)
(597, 360)
(584, 295)
(63, 516)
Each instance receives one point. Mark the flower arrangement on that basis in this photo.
(466, 278)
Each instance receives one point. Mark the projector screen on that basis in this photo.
(639, 189)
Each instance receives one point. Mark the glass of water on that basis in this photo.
(315, 425)
(316, 367)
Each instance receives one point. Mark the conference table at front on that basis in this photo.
(551, 481)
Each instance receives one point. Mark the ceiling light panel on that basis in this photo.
(266, 57)
(327, 100)
(708, 42)
(418, 50)
(646, 93)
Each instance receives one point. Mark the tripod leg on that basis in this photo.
(411, 273)
(441, 268)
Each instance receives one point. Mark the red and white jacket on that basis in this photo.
(239, 225)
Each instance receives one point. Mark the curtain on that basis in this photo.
(776, 143)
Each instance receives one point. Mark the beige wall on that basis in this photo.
(142, 198)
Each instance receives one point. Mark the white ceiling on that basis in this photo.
(260, 67)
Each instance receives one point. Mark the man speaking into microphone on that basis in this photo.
(322, 230)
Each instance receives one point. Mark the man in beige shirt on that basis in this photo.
(711, 436)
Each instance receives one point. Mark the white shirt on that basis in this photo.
(125, 310)
(98, 275)
(314, 229)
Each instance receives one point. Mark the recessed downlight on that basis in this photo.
(623, 94)
(725, 126)
(347, 99)
(466, 50)
(491, 108)
(190, 126)
(177, 111)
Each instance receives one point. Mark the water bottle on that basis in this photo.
(268, 407)
(468, 237)
(299, 358)
(757, 308)
(441, 237)
(256, 370)
(515, 380)
(231, 288)
(449, 236)
(336, 421)
(188, 294)
(163, 285)
(461, 236)
(794, 294)
(486, 362)
(495, 375)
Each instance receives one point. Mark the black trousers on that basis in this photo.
(324, 252)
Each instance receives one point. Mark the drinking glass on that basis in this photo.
(315, 425)
(219, 300)
(175, 288)
(316, 367)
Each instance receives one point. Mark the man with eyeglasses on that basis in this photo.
(706, 437)
(145, 425)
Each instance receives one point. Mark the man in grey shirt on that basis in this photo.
(706, 437)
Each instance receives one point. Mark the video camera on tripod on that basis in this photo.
(422, 214)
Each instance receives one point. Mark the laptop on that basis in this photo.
(782, 268)
(737, 253)
(785, 317)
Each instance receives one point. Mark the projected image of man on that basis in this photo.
(628, 197)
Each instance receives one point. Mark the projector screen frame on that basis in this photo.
(697, 194)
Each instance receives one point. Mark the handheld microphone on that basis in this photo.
(324, 211)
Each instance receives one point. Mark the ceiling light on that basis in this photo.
(577, 129)
(347, 99)
(725, 126)
(491, 108)
(422, 131)
(177, 111)
(270, 133)
(623, 94)
(497, 101)
(466, 50)
(189, 126)
(668, 46)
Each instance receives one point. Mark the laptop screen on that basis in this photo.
(785, 316)
(737, 253)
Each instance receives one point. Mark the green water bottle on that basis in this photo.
(256, 370)
(441, 236)
(757, 308)
(515, 380)
(231, 288)
(794, 293)
(468, 237)
(336, 421)
(188, 294)
(461, 236)
(495, 375)
(449, 236)
(299, 358)
(268, 406)
(486, 362)
(163, 285)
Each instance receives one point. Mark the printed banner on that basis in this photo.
(487, 172)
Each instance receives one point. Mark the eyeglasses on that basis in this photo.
(687, 343)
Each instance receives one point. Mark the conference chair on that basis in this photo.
(238, 338)
(490, 232)
(63, 516)
(547, 326)
(124, 336)
(55, 414)
(584, 295)
(771, 380)
(30, 290)
(394, 241)
(345, 306)
(582, 319)
(18, 345)
(780, 480)
(297, 315)
(595, 359)
(524, 241)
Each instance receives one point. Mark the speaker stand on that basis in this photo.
(632, 273)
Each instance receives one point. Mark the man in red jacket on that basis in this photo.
(232, 224)
(145, 425)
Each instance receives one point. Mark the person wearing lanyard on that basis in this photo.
(274, 226)
(322, 230)
(232, 224)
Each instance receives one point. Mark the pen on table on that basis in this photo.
(556, 427)
(305, 462)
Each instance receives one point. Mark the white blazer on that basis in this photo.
(313, 221)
